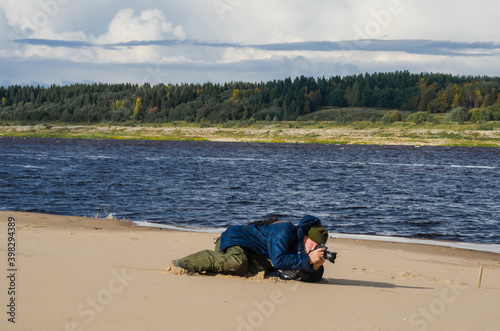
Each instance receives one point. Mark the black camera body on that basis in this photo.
(330, 256)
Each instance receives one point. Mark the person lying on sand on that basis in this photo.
(278, 248)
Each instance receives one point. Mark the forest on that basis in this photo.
(475, 97)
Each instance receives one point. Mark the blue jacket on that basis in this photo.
(281, 242)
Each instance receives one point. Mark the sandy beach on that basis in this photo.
(72, 273)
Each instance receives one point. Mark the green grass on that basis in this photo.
(360, 132)
(350, 114)
(92, 135)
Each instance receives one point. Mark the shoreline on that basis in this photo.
(77, 273)
(361, 133)
(472, 246)
(124, 225)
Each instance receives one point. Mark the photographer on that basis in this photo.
(277, 247)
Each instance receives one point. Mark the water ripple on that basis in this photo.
(429, 192)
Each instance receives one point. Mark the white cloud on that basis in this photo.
(232, 54)
(126, 26)
(151, 24)
(8, 48)
(429, 19)
(243, 22)
(4, 29)
(262, 21)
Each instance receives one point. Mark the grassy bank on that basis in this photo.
(400, 133)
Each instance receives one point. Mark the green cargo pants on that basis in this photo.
(236, 260)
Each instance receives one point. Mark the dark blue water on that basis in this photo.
(428, 192)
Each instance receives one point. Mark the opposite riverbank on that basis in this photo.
(480, 135)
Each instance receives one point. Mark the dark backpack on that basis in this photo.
(270, 220)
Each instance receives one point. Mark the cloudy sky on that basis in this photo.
(164, 41)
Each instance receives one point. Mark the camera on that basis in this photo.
(330, 256)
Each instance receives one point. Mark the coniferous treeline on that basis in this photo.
(274, 100)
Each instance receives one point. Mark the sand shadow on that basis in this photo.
(363, 283)
(173, 270)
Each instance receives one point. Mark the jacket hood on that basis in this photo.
(305, 224)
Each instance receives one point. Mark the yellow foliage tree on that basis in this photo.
(236, 95)
(458, 100)
(315, 96)
(479, 97)
(119, 104)
(138, 104)
(440, 104)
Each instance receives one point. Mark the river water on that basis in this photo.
(427, 192)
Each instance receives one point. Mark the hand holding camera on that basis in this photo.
(330, 256)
